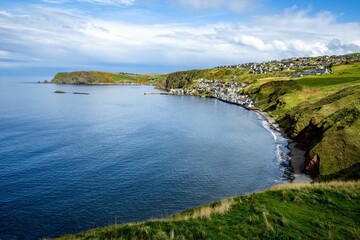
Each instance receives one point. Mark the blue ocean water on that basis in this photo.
(69, 162)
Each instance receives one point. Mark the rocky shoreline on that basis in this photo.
(297, 156)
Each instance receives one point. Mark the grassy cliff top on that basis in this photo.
(94, 77)
(292, 211)
(321, 112)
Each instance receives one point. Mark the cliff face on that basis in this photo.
(327, 130)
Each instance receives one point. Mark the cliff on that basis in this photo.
(322, 113)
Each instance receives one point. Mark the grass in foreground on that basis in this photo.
(291, 211)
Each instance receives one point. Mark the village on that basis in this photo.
(293, 67)
(228, 92)
(298, 67)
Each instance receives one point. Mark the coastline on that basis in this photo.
(297, 156)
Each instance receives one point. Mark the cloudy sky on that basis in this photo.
(163, 36)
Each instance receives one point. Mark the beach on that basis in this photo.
(297, 156)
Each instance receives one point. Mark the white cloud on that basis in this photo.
(5, 13)
(232, 5)
(296, 32)
(55, 1)
(110, 2)
(101, 2)
(280, 45)
(337, 47)
(4, 54)
(255, 42)
(55, 37)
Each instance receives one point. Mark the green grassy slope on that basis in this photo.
(321, 112)
(350, 173)
(293, 211)
(93, 77)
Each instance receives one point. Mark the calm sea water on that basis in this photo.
(69, 162)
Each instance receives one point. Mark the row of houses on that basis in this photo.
(229, 92)
(304, 65)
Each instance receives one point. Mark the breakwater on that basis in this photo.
(158, 93)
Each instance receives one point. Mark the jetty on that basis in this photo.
(158, 93)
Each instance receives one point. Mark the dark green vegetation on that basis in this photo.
(350, 173)
(92, 77)
(293, 211)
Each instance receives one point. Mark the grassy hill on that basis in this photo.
(93, 77)
(322, 113)
(293, 211)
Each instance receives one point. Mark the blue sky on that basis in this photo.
(164, 36)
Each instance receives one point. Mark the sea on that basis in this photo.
(73, 162)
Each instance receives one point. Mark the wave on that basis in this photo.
(282, 150)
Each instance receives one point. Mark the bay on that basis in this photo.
(69, 163)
